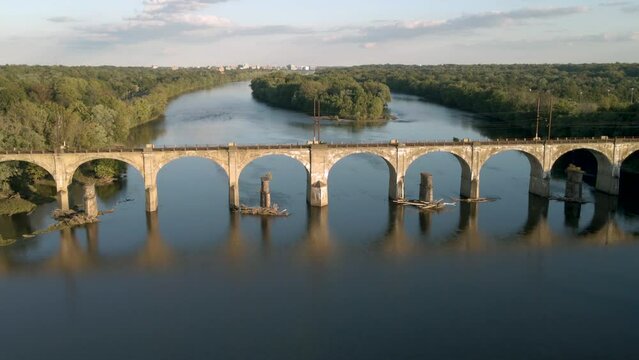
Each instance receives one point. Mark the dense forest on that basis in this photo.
(340, 96)
(46, 107)
(587, 100)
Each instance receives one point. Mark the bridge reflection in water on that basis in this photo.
(319, 246)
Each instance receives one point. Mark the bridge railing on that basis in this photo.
(446, 142)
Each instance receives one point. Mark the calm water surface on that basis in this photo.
(521, 277)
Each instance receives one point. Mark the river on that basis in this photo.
(521, 277)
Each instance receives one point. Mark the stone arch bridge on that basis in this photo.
(319, 158)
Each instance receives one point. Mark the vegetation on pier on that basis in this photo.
(340, 95)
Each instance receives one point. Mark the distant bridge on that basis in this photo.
(319, 158)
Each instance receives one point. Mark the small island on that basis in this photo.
(340, 96)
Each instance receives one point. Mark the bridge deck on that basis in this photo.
(333, 145)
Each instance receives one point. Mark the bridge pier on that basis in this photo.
(540, 184)
(396, 187)
(150, 170)
(63, 198)
(317, 194)
(469, 186)
(151, 194)
(608, 179)
(234, 178)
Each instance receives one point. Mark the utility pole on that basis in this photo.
(632, 96)
(538, 108)
(550, 117)
(316, 121)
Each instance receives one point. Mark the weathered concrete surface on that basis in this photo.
(265, 192)
(319, 159)
(574, 183)
(90, 200)
(426, 187)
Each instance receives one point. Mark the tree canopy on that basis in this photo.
(588, 99)
(340, 96)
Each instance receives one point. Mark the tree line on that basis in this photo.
(45, 107)
(339, 95)
(587, 99)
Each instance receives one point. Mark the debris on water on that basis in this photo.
(477, 200)
(424, 205)
(262, 211)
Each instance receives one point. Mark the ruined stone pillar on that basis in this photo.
(90, 200)
(234, 178)
(265, 192)
(318, 178)
(426, 187)
(574, 179)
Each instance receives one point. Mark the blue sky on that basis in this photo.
(329, 32)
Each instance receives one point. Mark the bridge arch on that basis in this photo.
(538, 183)
(170, 158)
(302, 159)
(414, 159)
(250, 172)
(606, 177)
(628, 178)
(135, 160)
(396, 178)
(46, 162)
(386, 155)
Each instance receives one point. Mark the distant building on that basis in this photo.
(291, 67)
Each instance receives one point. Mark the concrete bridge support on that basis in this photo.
(151, 194)
(608, 178)
(540, 184)
(469, 184)
(396, 186)
(234, 178)
(317, 194)
(150, 179)
(63, 198)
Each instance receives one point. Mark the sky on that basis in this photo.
(316, 33)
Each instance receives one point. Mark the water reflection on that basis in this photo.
(395, 240)
(71, 257)
(468, 236)
(318, 246)
(156, 253)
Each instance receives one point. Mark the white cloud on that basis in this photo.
(410, 29)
